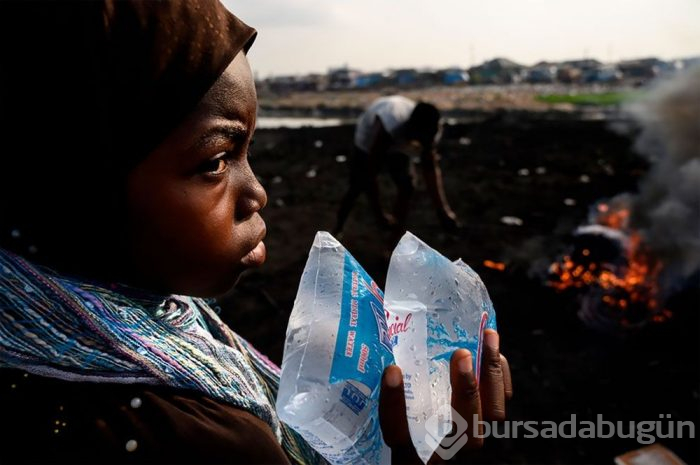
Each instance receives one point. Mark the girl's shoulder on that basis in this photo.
(49, 420)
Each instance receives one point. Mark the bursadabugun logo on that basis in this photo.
(644, 432)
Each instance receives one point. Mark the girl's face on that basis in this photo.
(193, 203)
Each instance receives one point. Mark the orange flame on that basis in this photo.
(495, 265)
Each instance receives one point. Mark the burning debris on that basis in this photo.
(498, 266)
(637, 249)
(614, 265)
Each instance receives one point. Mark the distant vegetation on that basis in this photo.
(602, 99)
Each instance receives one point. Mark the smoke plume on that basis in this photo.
(666, 209)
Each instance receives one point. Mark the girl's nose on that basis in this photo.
(252, 198)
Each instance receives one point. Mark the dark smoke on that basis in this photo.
(667, 208)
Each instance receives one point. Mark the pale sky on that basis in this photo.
(301, 36)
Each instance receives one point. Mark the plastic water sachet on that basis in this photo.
(336, 349)
(434, 307)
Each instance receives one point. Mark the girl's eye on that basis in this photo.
(215, 166)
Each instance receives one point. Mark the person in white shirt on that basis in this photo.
(388, 135)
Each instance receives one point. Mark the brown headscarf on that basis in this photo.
(88, 88)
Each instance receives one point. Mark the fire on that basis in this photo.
(629, 284)
(495, 265)
(616, 219)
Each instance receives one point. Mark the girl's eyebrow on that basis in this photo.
(232, 131)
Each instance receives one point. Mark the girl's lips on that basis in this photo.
(255, 257)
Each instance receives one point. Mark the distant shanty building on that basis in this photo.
(372, 80)
(584, 65)
(645, 69)
(497, 71)
(342, 78)
(604, 74)
(542, 73)
(287, 84)
(573, 71)
(453, 76)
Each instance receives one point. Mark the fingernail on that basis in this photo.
(393, 377)
(465, 363)
(491, 339)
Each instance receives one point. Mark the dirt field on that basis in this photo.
(560, 367)
(451, 100)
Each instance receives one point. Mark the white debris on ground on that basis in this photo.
(511, 221)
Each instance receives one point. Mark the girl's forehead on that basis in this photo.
(226, 112)
(232, 96)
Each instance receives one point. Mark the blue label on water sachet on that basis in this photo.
(363, 348)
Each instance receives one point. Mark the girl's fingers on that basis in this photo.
(392, 409)
(507, 380)
(492, 384)
(465, 397)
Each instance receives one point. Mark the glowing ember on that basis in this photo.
(629, 283)
(495, 265)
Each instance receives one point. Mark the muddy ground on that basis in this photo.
(560, 367)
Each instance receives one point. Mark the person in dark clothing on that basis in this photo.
(127, 200)
(388, 134)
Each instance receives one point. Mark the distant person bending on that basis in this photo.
(387, 133)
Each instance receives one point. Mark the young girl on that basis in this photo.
(125, 199)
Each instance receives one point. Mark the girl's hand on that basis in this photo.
(487, 400)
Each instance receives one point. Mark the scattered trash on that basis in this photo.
(341, 158)
(584, 178)
(279, 203)
(277, 180)
(541, 170)
(311, 173)
(318, 144)
(511, 221)
(464, 141)
(500, 266)
(569, 202)
(524, 172)
(609, 170)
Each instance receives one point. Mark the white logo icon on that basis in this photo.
(446, 445)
